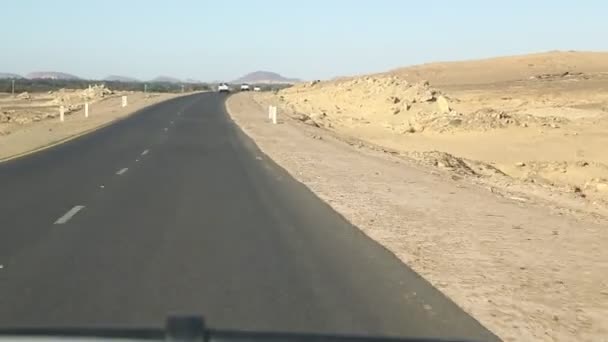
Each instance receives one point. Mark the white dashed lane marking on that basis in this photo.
(145, 152)
(67, 216)
(121, 171)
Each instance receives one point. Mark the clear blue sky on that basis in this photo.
(221, 40)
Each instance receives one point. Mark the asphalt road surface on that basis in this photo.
(175, 210)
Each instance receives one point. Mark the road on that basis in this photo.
(175, 210)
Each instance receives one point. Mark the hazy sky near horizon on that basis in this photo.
(222, 40)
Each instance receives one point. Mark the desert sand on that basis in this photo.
(507, 68)
(495, 192)
(31, 121)
(547, 130)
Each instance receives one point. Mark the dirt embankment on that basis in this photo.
(543, 133)
(31, 121)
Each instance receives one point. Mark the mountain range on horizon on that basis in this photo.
(55, 75)
(261, 77)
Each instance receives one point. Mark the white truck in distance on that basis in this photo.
(223, 88)
(245, 87)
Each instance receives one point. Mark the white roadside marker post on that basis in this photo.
(274, 115)
(270, 112)
(86, 109)
(61, 113)
(124, 101)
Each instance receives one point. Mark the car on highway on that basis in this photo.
(245, 87)
(223, 88)
(257, 89)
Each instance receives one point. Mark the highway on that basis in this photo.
(175, 210)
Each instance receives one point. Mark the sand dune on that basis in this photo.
(501, 69)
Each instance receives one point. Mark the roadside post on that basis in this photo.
(272, 114)
(124, 101)
(86, 109)
(61, 113)
(13, 87)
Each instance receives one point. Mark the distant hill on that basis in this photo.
(53, 75)
(5, 75)
(118, 78)
(509, 68)
(265, 77)
(166, 79)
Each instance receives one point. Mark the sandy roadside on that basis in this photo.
(526, 271)
(37, 135)
(543, 137)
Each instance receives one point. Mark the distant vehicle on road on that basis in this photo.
(223, 88)
(245, 87)
(257, 89)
